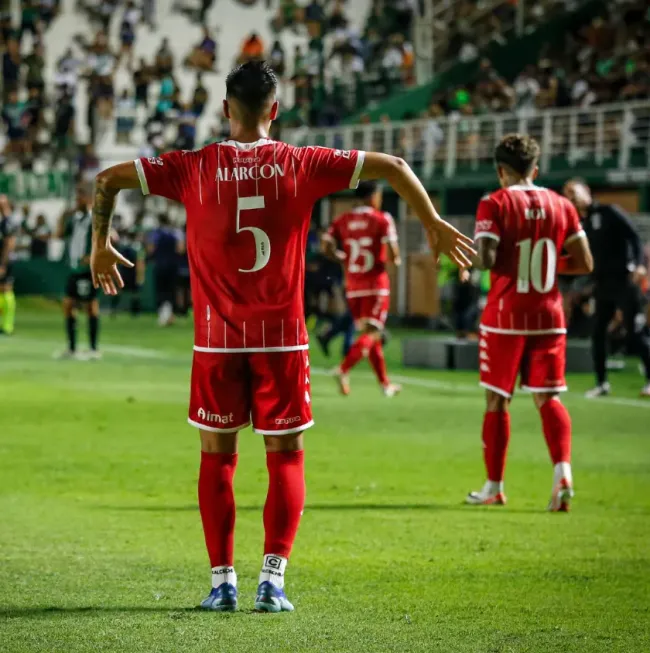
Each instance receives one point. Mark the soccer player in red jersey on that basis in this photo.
(367, 236)
(521, 231)
(248, 202)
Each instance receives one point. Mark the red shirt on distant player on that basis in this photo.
(531, 224)
(248, 212)
(363, 234)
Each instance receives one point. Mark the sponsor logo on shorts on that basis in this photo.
(287, 420)
(207, 416)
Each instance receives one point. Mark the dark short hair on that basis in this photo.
(367, 189)
(519, 152)
(252, 84)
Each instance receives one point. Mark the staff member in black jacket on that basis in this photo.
(618, 267)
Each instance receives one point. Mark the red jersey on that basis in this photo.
(363, 233)
(531, 225)
(248, 212)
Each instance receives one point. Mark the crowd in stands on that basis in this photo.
(607, 60)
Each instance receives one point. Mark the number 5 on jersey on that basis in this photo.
(262, 242)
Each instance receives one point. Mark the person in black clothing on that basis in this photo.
(164, 246)
(618, 267)
(41, 235)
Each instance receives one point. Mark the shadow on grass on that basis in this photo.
(98, 610)
(336, 507)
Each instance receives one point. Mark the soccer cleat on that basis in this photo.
(221, 599)
(392, 390)
(68, 355)
(561, 497)
(271, 599)
(343, 379)
(601, 390)
(486, 497)
(93, 355)
(645, 391)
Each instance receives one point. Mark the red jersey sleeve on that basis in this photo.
(329, 171)
(388, 231)
(487, 220)
(574, 226)
(168, 175)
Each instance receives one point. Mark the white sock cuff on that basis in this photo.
(222, 575)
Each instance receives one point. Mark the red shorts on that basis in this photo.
(370, 308)
(269, 389)
(539, 360)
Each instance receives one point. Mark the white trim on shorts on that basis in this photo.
(248, 350)
(557, 388)
(297, 429)
(353, 294)
(370, 320)
(214, 429)
(144, 185)
(499, 391)
(523, 332)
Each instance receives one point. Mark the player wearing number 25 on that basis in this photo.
(521, 231)
(249, 202)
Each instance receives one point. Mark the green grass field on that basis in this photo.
(101, 546)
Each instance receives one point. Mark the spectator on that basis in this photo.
(125, 117)
(127, 32)
(205, 7)
(277, 58)
(41, 235)
(35, 63)
(29, 21)
(11, 62)
(63, 127)
(48, 9)
(314, 18)
(204, 54)
(88, 164)
(141, 79)
(252, 49)
(66, 74)
(337, 19)
(15, 117)
(186, 137)
(200, 96)
(526, 88)
(105, 11)
(164, 61)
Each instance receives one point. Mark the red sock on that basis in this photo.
(284, 501)
(376, 358)
(496, 436)
(217, 506)
(359, 349)
(556, 423)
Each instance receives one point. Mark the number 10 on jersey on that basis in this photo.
(262, 242)
(531, 260)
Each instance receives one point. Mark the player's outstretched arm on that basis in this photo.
(329, 250)
(441, 235)
(578, 258)
(104, 257)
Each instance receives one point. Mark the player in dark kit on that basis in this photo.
(521, 231)
(75, 227)
(248, 202)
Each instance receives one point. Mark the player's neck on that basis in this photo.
(521, 181)
(243, 134)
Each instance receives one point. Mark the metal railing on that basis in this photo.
(613, 136)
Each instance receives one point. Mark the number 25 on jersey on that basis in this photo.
(531, 262)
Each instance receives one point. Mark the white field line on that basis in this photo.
(432, 384)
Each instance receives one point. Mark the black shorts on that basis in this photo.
(8, 276)
(80, 287)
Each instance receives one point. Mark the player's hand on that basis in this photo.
(340, 255)
(448, 240)
(639, 274)
(103, 267)
(464, 276)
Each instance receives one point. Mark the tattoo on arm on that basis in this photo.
(103, 206)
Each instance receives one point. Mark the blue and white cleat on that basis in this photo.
(221, 599)
(271, 599)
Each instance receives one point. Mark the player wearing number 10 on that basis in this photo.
(248, 202)
(521, 231)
